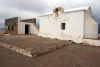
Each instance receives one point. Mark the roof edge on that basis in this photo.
(71, 10)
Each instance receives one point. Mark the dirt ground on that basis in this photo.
(72, 55)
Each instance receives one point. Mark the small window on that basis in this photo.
(8, 28)
(63, 26)
(12, 28)
(14, 23)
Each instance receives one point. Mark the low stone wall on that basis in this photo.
(92, 42)
(22, 51)
(32, 53)
(48, 49)
(2, 32)
(32, 20)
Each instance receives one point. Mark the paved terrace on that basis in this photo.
(35, 44)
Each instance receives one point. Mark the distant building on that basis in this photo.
(71, 24)
(17, 26)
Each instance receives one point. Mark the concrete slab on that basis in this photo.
(31, 45)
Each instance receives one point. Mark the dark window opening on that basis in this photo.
(14, 23)
(8, 28)
(12, 28)
(63, 26)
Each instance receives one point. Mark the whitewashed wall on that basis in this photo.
(21, 28)
(86, 15)
(51, 27)
(91, 30)
(92, 42)
(90, 26)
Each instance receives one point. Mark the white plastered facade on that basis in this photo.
(21, 27)
(75, 25)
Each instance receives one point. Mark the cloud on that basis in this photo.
(21, 8)
(32, 5)
(35, 8)
(8, 12)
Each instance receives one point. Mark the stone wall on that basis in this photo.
(56, 10)
(33, 20)
(34, 53)
(17, 49)
(11, 25)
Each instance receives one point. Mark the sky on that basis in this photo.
(26, 9)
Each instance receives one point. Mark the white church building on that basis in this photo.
(73, 24)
